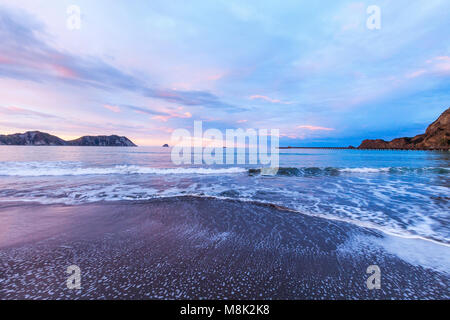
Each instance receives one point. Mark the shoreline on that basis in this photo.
(198, 248)
(355, 223)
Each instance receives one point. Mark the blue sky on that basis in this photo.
(144, 68)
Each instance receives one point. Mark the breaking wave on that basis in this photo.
(333, 171)
(63, 168)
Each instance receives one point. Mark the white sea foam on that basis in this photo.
(415, 251)
(354, 213)
(71, 168)
(418, 252)
(58, 169)
(364, 170)
(395, 170)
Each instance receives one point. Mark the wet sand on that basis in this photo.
(197, 248)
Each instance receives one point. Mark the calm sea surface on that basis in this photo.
(402, 192)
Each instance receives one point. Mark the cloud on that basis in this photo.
(442, 58)
(416, 74)
(165, 129)
(314, 128)
(163, 116)
(185, 115)
(216, 76)
(265, 98)
(17, 111)
(439, 65)
(25, 55)
(332, 68)
(191, 98)
(115, 109)
(142, 110)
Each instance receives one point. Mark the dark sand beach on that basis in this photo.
(197, 248)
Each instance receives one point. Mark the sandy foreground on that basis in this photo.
(203, 248)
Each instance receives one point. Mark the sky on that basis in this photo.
(312, 69)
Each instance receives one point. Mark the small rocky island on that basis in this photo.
(37, 138)
(436, 137)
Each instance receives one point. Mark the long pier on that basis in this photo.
(407, 149)
(315, 148)
(379, 149)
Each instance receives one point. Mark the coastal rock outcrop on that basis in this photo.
(102, 141)
(437, 136)
(37, 138)
(34, 138)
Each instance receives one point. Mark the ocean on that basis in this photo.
(400, 192)
(141, 227)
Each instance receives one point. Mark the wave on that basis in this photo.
(398, 170)
(36, 169)
(393, 211)
(333, 171)
(179, 194)
(65, 170)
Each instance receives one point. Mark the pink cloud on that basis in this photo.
(115, 109)
(416, 74)
(161, 118)
(5, 60)
(167, 94)
(293, 136)
(172, 115)
(443, 58)
(216, 76)
(165, 129)
(26, 113)
(265, 98)
(443, 67)
(140, 112)
(51, 66)
(242, 121)
(314, 128)
(63, 71)
(439, 65)
(14, 109)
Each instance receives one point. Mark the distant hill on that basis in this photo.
(437, 136)
(37, 138)
(103, 141)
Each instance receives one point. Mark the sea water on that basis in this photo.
(403, 193)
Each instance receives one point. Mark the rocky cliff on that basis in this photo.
(34, 138)
(37, 138)
(437, 136)
(102, 141)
